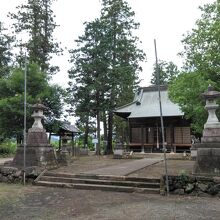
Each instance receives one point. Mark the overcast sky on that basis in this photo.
(165, 21)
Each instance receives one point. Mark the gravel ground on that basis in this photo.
(174, 167)
(41, 203)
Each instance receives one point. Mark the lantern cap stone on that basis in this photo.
(210, 93)
(39, 106)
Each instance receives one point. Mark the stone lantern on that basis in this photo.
(39, 153)
(63, 156)
(38, 115)
(210, 96)
(37, 135)
(65, 139)
(208, 151)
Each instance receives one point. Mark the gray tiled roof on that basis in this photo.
(146, 104)
(68, 127)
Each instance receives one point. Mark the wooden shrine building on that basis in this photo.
(66, 129)
(143, 116)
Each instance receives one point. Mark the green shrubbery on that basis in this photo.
(7, 147)
(55, 144)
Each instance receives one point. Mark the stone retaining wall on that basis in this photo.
(15, 175)
(192, 185)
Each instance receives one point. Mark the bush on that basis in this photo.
(8, 147)
(182, 179)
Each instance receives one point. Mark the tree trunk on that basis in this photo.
(86, 134)
(110, 129)
(49, 137)
(105, 128)
(98, 134)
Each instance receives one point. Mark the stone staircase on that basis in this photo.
(99, 182)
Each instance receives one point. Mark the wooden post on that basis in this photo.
(142, 139)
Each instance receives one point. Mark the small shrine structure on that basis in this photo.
(143, 116)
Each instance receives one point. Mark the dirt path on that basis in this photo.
(39, 203)
(84, 164)
(3, 160)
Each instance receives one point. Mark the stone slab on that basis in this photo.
(125, 168)
(212, 139)
(206, 145)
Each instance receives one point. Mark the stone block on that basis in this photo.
(203, 187)
(207, 162)
(210, 139)
(179, 191)
(211, 132)
(37, 139)
(216, 179)
(189, 188)
(9, 170)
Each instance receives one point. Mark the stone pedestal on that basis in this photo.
(38, 153)
(207, 159)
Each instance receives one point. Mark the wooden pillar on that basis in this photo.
(129, 135)
(173, 139)
(73, 147)
(59, 142)
(130, 139)
(142, 139)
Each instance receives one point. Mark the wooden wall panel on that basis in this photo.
(136, 135)
(168, 135)
(150, 135)
(182, 135)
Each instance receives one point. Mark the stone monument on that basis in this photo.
(208, 151)
(39, 153)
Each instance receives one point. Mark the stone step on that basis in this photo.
(103, 177)
(118, 182)
(98, 187)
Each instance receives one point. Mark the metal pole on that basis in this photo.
(161, 118)
(25, 120)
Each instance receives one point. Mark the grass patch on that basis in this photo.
(10, 193)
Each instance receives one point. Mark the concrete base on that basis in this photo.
(207, 161)
(39, 156)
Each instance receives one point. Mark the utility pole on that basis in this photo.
(161, 118)
(25, 119)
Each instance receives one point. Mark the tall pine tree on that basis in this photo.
(37, 20)
(5, 51)
(122, 54)
(106, 62)
(167, 72)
